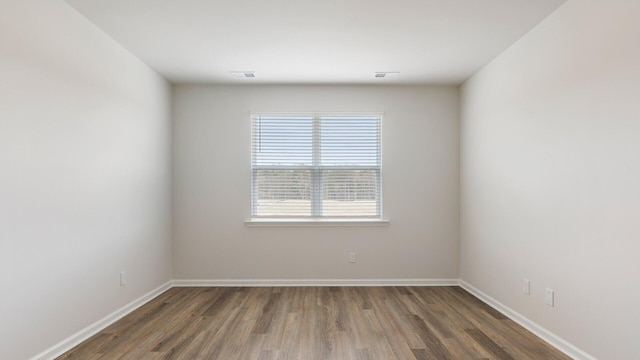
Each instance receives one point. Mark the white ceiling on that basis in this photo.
(316, 41)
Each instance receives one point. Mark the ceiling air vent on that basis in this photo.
(243, 74)
(386, 75)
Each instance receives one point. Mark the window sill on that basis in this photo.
(315, 222)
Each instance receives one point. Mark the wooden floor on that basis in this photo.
(315, 323)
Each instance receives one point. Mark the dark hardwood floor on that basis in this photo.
(269, 323)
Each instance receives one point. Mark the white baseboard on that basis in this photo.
(82, 335)
(546, 335)
(318, 282)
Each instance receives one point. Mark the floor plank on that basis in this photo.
(341, 323)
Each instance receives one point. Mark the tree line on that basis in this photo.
(340, 185)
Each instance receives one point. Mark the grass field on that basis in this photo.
(303, 208)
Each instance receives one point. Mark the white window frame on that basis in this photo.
(316, 198)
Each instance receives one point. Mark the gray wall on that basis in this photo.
(84, 176)
(550, 173)
(212, 187)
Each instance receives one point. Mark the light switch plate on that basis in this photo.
(549, 297)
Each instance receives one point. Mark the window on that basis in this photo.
(315, 167)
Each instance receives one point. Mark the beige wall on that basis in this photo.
(84, 176)
(548, 179)
(212, 187)
(551, 173)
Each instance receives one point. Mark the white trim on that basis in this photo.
(82, 335)
(546, 335)
(316, 282)
(317, 113)
(315, 222)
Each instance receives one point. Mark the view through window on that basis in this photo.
(316, 166)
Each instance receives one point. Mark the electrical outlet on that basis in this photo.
(123, 278)
(526, 287)
(549, 297)
(352, 257)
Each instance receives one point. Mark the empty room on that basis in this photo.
(306, 179)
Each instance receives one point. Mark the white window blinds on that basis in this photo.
(316, 166)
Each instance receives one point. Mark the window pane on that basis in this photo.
(350, 192)
(282, 192)
(325, 166)
(349, 140)
(282, 140)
